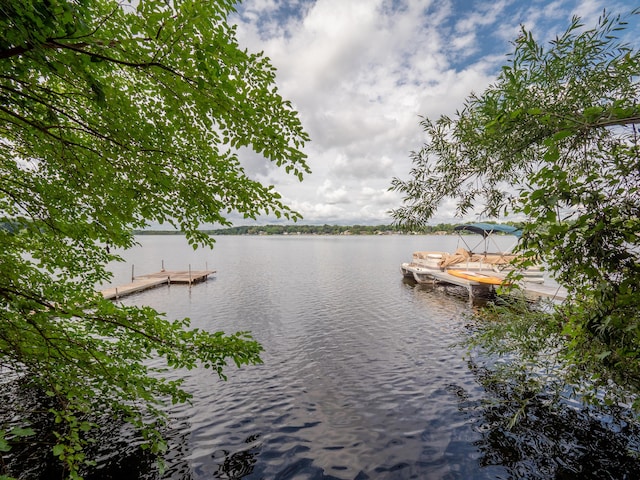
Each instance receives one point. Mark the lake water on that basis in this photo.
(362, 378)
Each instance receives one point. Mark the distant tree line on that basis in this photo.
(441, 228)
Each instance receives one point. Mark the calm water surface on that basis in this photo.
(361, 376)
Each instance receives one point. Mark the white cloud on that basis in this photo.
(360, 72)
(332, 195)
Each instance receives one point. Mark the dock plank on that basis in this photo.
(181, 276)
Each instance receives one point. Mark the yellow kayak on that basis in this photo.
(476, 276)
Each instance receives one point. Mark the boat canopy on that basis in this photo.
(486, 229)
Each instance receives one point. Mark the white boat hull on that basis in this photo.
(424, 263)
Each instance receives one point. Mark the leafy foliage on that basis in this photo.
(555, 139)
(112, 115)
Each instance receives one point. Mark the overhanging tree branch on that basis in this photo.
(130, 117)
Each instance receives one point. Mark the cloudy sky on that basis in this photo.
(361, 72)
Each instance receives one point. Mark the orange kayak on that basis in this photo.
(476, 277)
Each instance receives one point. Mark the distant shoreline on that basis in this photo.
(440, 229)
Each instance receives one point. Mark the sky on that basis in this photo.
(361, 73)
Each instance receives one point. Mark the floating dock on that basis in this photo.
(429, 275)
(164, 277)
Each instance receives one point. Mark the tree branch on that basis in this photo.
(78, 47)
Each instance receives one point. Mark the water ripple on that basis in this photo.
(357, 366)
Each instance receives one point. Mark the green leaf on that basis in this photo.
(22, 432)
(4, 445)
(561, 135)
(58, 450)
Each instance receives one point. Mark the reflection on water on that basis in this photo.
(237, 464)
(357, 365)
(117, 451)
(363, 375)
(551, 440)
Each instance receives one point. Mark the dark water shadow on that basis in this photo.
(21, 405)
(239, 464)
(117, 449)
(550, 440)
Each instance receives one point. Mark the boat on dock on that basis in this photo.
(481, 264)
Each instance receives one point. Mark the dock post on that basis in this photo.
(116, 293)
(132, 275)
(162, 266)
(189, 275)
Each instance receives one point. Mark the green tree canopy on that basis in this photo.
(113, 115)
(555, 140)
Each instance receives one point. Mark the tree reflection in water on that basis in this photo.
(236, 465)
(550, 439)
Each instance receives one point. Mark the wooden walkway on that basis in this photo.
(165, 277)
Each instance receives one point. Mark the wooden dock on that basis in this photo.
(164, 277)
